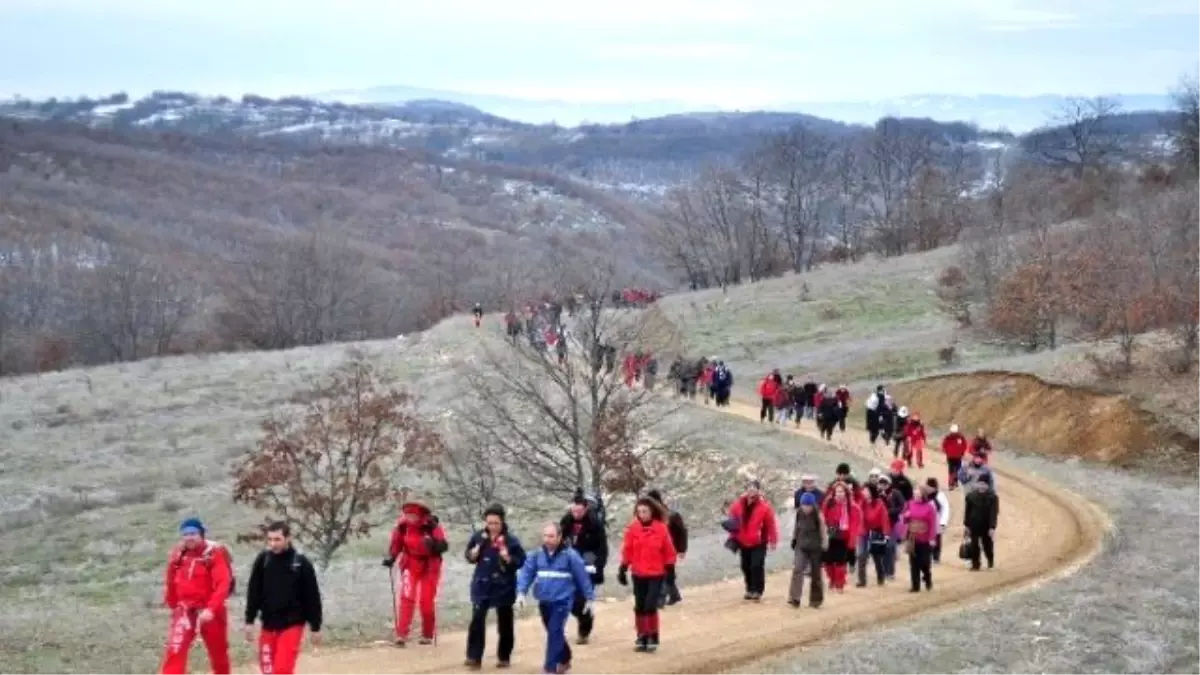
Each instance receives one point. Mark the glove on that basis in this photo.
(589, 607)
(520, 602)
(623, 575)
(389, 562)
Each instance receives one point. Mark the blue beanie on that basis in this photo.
(191, 524)
(808, 499)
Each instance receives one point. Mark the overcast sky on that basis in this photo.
(722, 52)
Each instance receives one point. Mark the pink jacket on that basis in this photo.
(925, 512)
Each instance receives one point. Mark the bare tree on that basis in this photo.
(557, 425)
(896, 156)
(1186, 133)
(1080, 138)
(800, 164)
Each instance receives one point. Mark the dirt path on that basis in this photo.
(1044, 531)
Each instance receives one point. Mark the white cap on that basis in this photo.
(904, 411)
(954, 428)
(807, 477)
(876, 472)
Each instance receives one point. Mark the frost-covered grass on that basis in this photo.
(101, 464)
(1135, 609)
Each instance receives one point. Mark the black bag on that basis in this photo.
(877, 540)
(967, 550)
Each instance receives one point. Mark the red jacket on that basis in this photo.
(199, 577)
(875, 516)
(767, 388)
(843, 396)
(757, 524)
(647, 548)
(854, 525)
(817, 399)
(954, 445)
(410, 546)
(914, 431)
(781, 398)
(706, 374)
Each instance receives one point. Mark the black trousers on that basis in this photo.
(841, 421)
(754, 569)
(767, 412)
(920, 565)
(981, 542)
(670, 591)
(935, 553)
(825, 428)
(646, 592)
(586, 621)
(477, 633)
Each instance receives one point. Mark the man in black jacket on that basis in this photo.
(979, 518)
(679, 538)
(584, 530)
(283, 593)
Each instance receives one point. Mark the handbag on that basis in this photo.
(877, 540)
(967, 550)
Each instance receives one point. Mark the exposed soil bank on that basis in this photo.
(1024, 411)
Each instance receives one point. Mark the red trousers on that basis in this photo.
(279, 649)
(917, 450)
(215, 635)
(837, 574)
(418, 587)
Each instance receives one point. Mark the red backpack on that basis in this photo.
(207, 557)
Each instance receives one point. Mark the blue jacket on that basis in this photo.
(559, 575)
(495, 581)
(970, 473)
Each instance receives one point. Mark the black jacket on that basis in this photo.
(982, 510)
(283, 592)
(679, 532)
(587, 536)
(903, 485)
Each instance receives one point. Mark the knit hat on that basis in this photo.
(808, 499)
(192, 526)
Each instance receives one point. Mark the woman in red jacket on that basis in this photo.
(418, 543)
(754, 529)
(914, 433)
(876, 527)
(767, 389)
(844, 519)
(648, 553)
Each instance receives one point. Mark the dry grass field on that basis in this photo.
(99, 465)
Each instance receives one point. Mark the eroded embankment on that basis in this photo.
(1023, 411)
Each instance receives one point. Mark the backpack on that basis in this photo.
(207, 557)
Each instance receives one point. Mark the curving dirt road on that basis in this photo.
(1044, 532)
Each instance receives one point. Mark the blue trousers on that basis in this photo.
(554, 618)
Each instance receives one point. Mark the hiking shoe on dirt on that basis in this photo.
(748, 596)
(400, 642)
(504, 664)
(640, 645)
(756, 597)
(814, 605)
(861, 584)
(425, 641)
(473, 664)
(652, 644)
(582, 640)
(915, 590)
(563, 668)
(794, 603)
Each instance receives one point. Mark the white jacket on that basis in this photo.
(943, 503)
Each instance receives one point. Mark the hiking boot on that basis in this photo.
(400, 642)
(879, 581)
(563, 668)
(640, 645)
(425, 641)
(861, 584)
(794, 603)
(473, 664)
(582, 640)
(748, 596)
(652, 643)
(929, 585)
(756, 597)
(991, 564)
(504, 663)
(814, 605)
(915, 589)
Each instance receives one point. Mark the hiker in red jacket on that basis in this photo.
(418, 543)
(199, 578)
(770, 385)
(914, 433)
(629, 367)
(955, 447)
(754, 529)
(842, 394)
(648, 553)
(980, 446)
(843, 517)
(875, 534)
